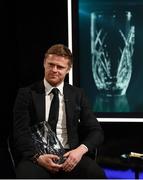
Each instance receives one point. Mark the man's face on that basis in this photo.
(56, 68)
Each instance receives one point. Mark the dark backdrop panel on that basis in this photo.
(41, 25)
(121, 138)
(28, 28)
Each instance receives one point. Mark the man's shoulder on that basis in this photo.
(72, 87)
(35, 86)
(73, 90)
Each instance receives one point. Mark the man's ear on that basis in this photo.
(44, 63)
(68, 70)
(70, 66)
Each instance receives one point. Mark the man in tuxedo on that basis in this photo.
(77, 128)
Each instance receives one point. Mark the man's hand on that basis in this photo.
(48, 161)
(73, 157)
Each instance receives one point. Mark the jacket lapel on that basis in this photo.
(38, 93)
(69, 107)
(69, 102)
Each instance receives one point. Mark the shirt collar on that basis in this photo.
(48, 87)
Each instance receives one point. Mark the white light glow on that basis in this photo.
(70, 36)
(120, 119)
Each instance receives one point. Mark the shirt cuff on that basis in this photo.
(84, 146)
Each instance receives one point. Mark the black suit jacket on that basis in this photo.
(29, 108)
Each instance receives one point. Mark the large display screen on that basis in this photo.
(107, 44)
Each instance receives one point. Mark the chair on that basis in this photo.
(7, 167)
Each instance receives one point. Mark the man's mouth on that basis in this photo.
(53, 76)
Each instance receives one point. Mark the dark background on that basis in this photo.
(27, 30)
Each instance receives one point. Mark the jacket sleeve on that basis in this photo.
(21, 124)
(90, 129)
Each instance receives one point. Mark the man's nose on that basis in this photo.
(54, 68)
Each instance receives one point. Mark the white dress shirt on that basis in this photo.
(61, 128)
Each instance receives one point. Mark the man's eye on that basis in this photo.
(60, 67)
(50, 65)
